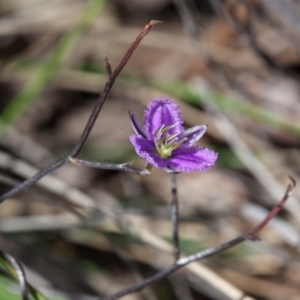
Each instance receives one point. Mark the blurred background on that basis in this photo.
(83, 233)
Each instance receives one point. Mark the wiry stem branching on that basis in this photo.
(112, 76)
(72, 157)
(250, 235)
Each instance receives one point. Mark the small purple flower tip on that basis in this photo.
(137, 126)
(163, 142)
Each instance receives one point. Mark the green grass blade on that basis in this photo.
(47, 71)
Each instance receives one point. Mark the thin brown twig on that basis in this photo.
(90, 123)
(250, 235)
(275, 210)
(109, 84)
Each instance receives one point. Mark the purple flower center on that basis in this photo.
(165, 142)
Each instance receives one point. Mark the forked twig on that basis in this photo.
(112, 76)
(250, 235)
(109, 84)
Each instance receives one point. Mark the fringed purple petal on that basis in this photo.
(188, 159)
(146, 149)
(137, 126)
(162, 112)
(163, 143)
(194, 134)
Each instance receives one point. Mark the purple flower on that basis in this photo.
(163, 142)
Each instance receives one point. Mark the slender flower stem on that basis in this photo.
(175, 216)
(90, 123)
(250, 235)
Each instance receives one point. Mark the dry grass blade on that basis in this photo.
(19, 273)
(243, 152)
(88, 230)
